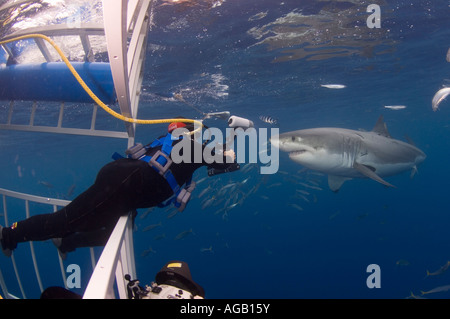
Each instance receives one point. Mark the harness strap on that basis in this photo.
(161, 162)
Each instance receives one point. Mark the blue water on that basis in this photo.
(258, 58)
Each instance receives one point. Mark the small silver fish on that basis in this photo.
(437, 289)
(395, 107)
(208, 202)
(147, 251)
(439, 97)
(150, 227)
(247, 168)
(413, 296)
(228, 186)
(172, 213)
(333, 86)
(148, 211)
(268, 119)
(46, 184)
(310, 186)
(19, 171)
(204, 250)
(303, 197)
(183, 234)
(159, 237)
(297, 207)
(70, 190)
(200, 181)
(440, 271)
(303, 192)
(203, 192)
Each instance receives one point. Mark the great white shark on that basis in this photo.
(344, 154)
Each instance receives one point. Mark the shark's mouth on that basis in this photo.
(295, 153)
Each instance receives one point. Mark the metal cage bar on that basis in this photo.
(125, 29)
(113, 264)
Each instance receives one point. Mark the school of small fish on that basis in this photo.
(439, 272)
(223, 195)
(227, 194)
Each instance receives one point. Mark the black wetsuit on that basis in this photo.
(121, 186)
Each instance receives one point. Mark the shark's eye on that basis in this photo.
(293, 138)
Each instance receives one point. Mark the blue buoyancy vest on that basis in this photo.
(161, 162)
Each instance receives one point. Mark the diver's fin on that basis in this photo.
(335, 182)
(381, 128)
(368, 172)
(7, 252)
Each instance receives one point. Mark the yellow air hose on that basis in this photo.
(89, 91)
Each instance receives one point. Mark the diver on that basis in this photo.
(147, 177)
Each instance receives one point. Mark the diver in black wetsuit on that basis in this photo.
(121, 186)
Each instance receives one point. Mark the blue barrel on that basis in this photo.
(54, 82)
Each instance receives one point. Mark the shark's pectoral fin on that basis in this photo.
(368, 172)
(414, 171)
(335, 182)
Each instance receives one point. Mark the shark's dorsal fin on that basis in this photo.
(335, 182)
(381, 128)
(368, 172)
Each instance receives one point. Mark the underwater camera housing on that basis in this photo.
(236, 121)
(233, 122)
(168, 292)
(231, 167)
(173, 281)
